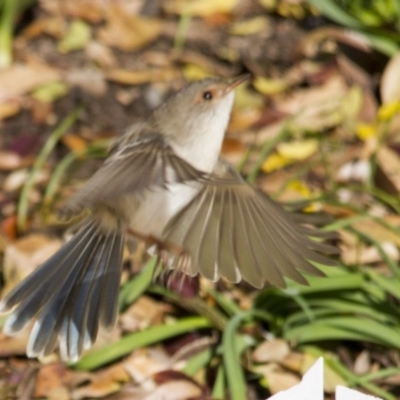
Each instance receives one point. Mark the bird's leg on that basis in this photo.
(178, 261)
(163, 247)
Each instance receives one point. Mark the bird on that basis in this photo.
(163, 181)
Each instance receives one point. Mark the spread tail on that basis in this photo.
(71, 294)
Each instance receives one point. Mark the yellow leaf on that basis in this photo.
(289, 10)
(366, 131)
(194, 72)
(275, 162)
(201, 8)
(270, 86)
(298, 150)
(246, 98)
(250, 26)
(77, 37)
(300, 187)
(51, 91)
(269, 4)
(388, 111)
(74, 142)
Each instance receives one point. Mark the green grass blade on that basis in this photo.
(197, 362)
(22, 212)
(137, 285)
(230, 307)
(232, 346)
(388, 284)
(56, 176)
(346, 328)
(8, 13)
(128, 343)
(334, 12)
(232, 364)
(219, 387)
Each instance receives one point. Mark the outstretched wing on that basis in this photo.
(234, 231)
(145, 162)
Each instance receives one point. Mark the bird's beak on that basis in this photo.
(233, 83)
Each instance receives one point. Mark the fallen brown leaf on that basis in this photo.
(9, 108)
(388, 177)
(22, 78)
(271, 350)
(368, 254)
(116, 372)
(103, 383)
(127, 77)
(142, 313)
(90, 10)
(10, 160)
(176, 390)
(74, 142)
(142, 364)
(52, 380)
(52, 26)
(8, 228)
(24, 255)
(96, 389)
(278, 379)
(293, 361)
(128, 32)
(362, 363)
(243, 119)
(232, 150)
(100, 54)
(390, 82)
(41, 111)
(14, 345)
(16, 179)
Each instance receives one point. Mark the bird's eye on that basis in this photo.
(207, 95)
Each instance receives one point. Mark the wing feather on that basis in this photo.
(262, 241)
(146, 163)
(209, 239)
(243, 249)
(226, 261)
(233, 231)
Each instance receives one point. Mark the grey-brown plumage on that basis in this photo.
(71, 294)
(247, 236)
(162, 179)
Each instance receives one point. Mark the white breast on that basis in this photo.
(200, 148)
(158, 206)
